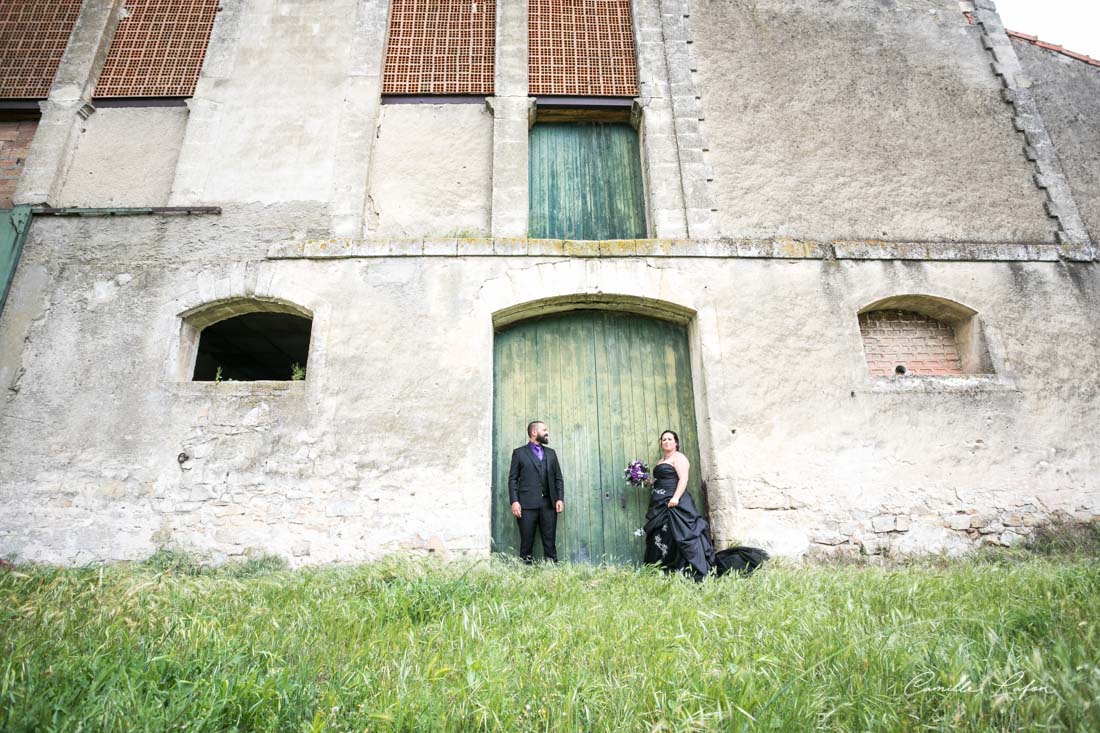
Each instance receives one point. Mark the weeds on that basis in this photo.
(1066, 537)
(404, 645)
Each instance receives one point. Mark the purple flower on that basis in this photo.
(636, 473)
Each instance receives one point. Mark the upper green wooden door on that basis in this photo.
(585, 181)
(606, 384)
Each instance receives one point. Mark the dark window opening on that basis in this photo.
(254, 346)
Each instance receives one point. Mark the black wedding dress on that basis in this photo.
(678, 539)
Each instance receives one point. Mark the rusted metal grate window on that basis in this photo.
(33, 36)
(158, 49)
(582, 48)
(440, 47)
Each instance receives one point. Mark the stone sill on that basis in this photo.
(265, 388)
(968, 383)
(345, 248)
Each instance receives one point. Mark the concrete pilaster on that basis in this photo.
(196, 156)
(660, 158)
(69, 102)
(511, 111)
(677, 174)
(687, 111)
(358, 123)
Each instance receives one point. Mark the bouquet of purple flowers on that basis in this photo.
(636, 472)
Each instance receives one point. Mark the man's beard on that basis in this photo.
(544, 440)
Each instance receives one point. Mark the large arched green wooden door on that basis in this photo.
(606, 384)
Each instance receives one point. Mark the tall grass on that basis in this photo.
(1001, 643)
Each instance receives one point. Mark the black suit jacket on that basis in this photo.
(527, 477)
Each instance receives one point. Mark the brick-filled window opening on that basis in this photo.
(581, 48)
(900, 342)
(440, 47)
(254, 346)
(33, 37)
(16, 134)
(158, 49)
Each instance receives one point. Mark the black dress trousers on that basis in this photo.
(546, 519)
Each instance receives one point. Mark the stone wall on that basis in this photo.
(432, 171)
(280, 95)
(125, 156)
(108, 456)
(857, 120)
(861, 153)
(1068, 94)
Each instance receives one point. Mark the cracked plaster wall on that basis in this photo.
(1068, 94)
(802, 451)
(432, 171)
(857, 120)
(267, 117)
(125, 156)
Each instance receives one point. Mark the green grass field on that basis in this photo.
(1004, 641)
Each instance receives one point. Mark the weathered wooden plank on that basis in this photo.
(585, 182)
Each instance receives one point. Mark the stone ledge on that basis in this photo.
(232, 388)
(966, 383)
(349, 248)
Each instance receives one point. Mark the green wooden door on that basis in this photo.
(606, 384)
(585, 181)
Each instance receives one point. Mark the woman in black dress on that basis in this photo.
(676, 536)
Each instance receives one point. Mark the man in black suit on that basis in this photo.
(537, 492)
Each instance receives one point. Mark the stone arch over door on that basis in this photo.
(607, 375)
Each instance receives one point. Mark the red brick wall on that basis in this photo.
(158, 49)
(923, 345)
(33, 36)
(581, 48)
(440, 47)
(16, 133)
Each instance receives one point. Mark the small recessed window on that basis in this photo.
(254, 346)
(922, 336)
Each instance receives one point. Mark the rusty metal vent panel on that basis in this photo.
(158, 49)
(440, 47)
(582, 48)
(33, 37)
